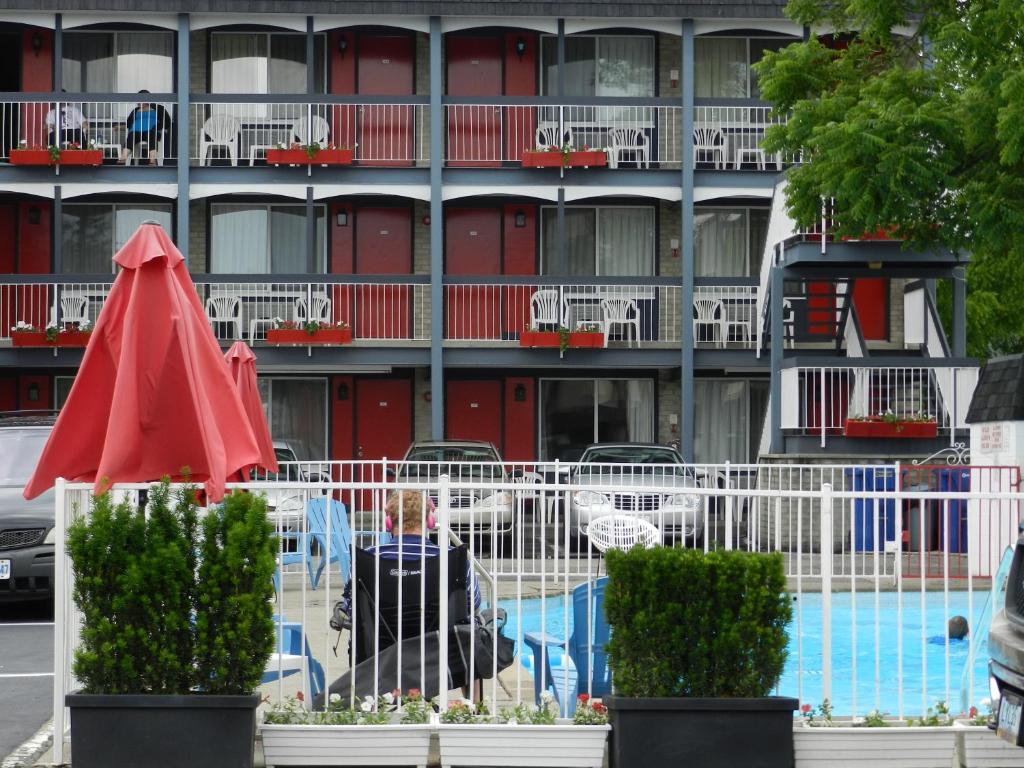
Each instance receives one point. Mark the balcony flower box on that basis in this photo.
(346, 744)
(298, 337)
(586, 340)
(39, 156)
(299, 156)
(978, 746)
(556, 158)
(73, 338)
(892, 747)
(563, 744)
(30, 339)
(67, 337)
(881, 428)
(574, 340)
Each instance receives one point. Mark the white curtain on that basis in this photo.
(579, 242)
(288, 240)
(640, 410)
(625, 66)
(720, 67)
(239, 63)
(758, 236)
(87, 239)
(127, 219)
(720, 421)
(720, 242)
(287, 64)
(144, 61)
(298, 414)
(625, 241)
(87, 65)
(238, 239)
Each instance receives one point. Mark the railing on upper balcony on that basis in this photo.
(727, 137)
(240, 132)
(820, 399)
(90, 123)
(724, 316)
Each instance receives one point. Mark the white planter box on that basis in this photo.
(979, 747)
(893, 747)
(346, 744)
(551, 746)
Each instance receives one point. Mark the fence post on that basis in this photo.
(443, 502)
(826, 591)
(60, 619)
(821, 398)
(728, 513)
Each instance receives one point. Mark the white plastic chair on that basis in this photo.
(545, 308)
(629, 140)
(225, 309)
(741, 325)
(73, 309)
(547, 136)
(311, 130)
(708, 312)
(318, 308)
(220, 131)
(709, 142)
(622, 532)
(621, 312)
(141, 152)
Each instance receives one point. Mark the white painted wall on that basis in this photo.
(992, 525)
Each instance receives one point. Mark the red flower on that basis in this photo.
(414, 692)
(583, 698)
(805, 708)
(299, 696)
(973, 712)
(599, 708)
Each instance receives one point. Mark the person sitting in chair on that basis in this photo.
(147, 124)
(66, 125)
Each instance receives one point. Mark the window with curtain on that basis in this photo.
(578, 412)
(93, 232)
(605, 241)
(118, 62)
(600, 65)
(722, 65)
(249, 238)
(728, 242)
(260, 62)
(728, 417)
(297, 414)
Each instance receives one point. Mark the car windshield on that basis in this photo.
(631, 455)
(470, 461)
(451, 453)
(19, 453)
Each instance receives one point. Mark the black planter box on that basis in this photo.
(711, 733)
(140, 731)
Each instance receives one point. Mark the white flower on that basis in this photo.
(52, 326)
(366, 706)
(547, 697)
(335, 698)
(389, 698)
(513, 721)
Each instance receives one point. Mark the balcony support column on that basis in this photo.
(560, 46)
(959, 312)
(58, 53)
(58, 231)
(312, 257)
(182, 123)
(310, 58)
(686, 406)
(775, 298)
(436, 234)
(562, 263)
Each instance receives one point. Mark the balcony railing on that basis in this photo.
(730, 138)
(724, 316)
(499, 312)
(98, 124)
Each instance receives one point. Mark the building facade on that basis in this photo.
(728, 331)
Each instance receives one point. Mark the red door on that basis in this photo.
(473, 411)
(473, 247)
(871, 299)
(385, 68)
(8, 245)
(383, 246)
(383, 427)
(821, 309)
(474, 130)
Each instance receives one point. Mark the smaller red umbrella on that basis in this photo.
(242, 362)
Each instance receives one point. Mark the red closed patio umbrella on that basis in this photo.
(242, 364)
(153, 396)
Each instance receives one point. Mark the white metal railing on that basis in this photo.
(39, 304)
(878, 559)
(501, 311)
(820, 400)
(240, 133)
(780, 227)
(731, 137)
(100, 125)
(725, 316)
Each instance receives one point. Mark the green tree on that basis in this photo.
(914, 122)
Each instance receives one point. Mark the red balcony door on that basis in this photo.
(383, 247)
(385, 68)
(474, 130)
(821, 309)
(473, 410)
(473, 247)
(383, 428)
(871, 298)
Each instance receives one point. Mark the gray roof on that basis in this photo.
(703, 9)
(999, 395)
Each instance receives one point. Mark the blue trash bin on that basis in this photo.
(956, 481)
(872, 479)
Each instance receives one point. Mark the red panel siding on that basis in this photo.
(383, 246)
(473, 411)
(871, 298)
(24, 382)
(474, 69)
(385, 68)
(473, 247)
(520, 80)
(520, 422)
(821, 309)
(341, 240)
(520, 258)
(37, 66)
(8, 393)
(8, 238)
(342, 81)
(34, 239)
(383, 417)
(342, 417)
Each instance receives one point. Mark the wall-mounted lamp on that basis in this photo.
(674, 245)
(33, 215)
(37, 43)
(673, 76)
(342, 45)
(520, 47)
(33, 393)
(520, 219)
(519, 393)
(342, 219)
(426, 220)
(343, 391)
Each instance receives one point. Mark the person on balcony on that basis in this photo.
(147, 124)
(72, 128)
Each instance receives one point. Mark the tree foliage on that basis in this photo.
(914, 122)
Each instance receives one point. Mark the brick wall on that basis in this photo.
(197, 236)
(421, 67)
(669, 53)
(421, 238)
(669, 393)
(420, 406)
(198, 43)
(669, 225)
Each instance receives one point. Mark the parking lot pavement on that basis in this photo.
(26, 672)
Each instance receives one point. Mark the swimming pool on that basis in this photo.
(855, 638)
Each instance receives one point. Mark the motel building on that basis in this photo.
(725, 330)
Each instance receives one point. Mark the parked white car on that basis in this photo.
(639, 479)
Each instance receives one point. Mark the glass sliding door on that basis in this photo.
(728, 418)
(93, 232)
(297, 414)
(722, 65)
(260, 62)
(262, 239)
(118, 62)
(613, 241)
(600, 65)
(729, 242)
(577, 412)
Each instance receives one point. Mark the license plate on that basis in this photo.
(1009, 717)
(5, 569)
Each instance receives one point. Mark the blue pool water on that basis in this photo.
(873, 689)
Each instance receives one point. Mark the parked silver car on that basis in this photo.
(638, 479)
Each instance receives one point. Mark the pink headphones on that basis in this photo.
(431, 520)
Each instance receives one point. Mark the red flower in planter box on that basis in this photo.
(565, 156)
(585, 337)
(310, 154)
(70, 335)
(294, 333)
(72, 154)
(889, 425)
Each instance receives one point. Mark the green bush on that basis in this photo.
(689, 623)
(146, 612)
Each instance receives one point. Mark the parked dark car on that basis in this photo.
(26, 527)
(1006, 652)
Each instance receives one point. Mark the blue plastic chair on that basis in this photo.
(583, 660)
(289, 639)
